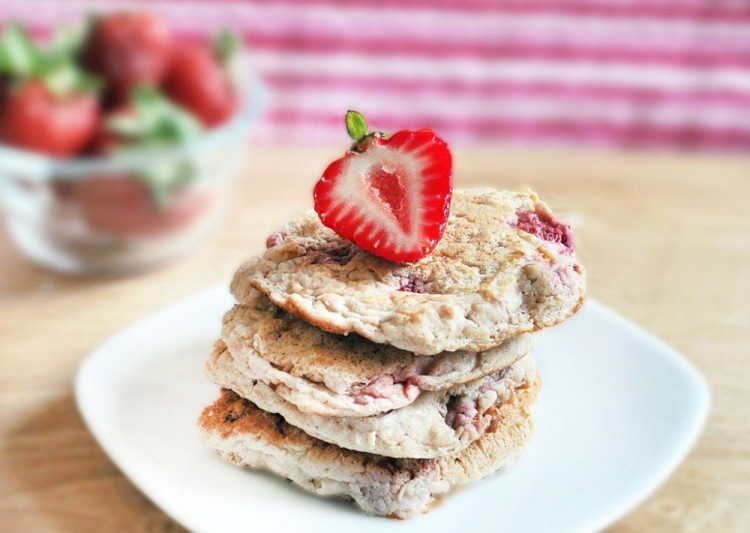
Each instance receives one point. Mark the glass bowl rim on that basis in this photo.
(41, 167)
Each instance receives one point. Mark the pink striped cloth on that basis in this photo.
(671, 74)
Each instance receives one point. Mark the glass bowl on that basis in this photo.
(96, 216)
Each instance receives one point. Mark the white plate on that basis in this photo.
(618, 412)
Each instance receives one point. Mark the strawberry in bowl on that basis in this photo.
(117, 145)
(34, 118)
(128, 49)
(120, 205)
(48, 105)
(155, 199)
(200, 79)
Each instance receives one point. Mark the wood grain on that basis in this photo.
(666, 242)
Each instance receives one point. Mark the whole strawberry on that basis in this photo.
(34, 118)
(48, 104)
(199, 79)
(127, 49)
(389, 195)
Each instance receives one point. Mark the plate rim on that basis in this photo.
(702, 391)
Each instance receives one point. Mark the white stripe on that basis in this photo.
(529, 71)
(537, 108)
(501, 27)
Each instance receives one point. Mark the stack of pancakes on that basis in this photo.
(390, 383)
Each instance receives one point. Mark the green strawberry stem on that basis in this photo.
(227, 45)
(356, 125)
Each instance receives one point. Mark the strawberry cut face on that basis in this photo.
(392, 198)
(386, 186)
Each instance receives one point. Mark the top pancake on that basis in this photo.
(486, 281)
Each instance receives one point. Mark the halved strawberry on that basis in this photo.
(389, 195)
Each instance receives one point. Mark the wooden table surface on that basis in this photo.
(666, 242)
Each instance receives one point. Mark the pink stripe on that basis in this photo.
(502, 89)
(380, 23)
(496, 51)
(694, 56)
(288, 37)
(291, 32)
(494, 33)
(635, 135)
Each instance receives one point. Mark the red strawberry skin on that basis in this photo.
(392, 198)
(34, 119)
(196, 80)
(128, 49)
(119, 205)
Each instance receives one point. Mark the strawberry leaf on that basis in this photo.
(163, 179)
(154, 121)
(67, 40)
(65, 78)
(19, 56)
(22, 59)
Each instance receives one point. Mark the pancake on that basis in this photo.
(332, 375)
(399, 488)
(435, 424)
(504, 266)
